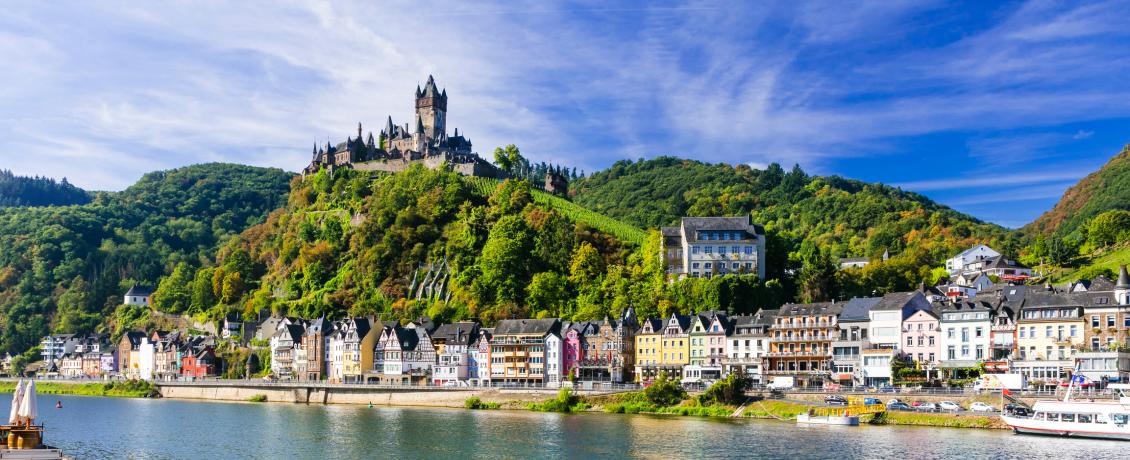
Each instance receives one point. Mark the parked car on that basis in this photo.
(898, 406)
(895, 400)
(949, 406)
(981, 407)
(1016, 409)
(928, 407)
(917, 403)
(888, 389)
(835, 400)
(870, 401)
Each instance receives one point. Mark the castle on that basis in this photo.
(399, 146)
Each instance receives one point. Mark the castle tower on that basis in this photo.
(431, 108)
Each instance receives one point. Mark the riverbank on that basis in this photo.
(629, 403)
(115, 389)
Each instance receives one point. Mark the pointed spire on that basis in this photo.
(358, 131)
(419, 125)
(388, 127)
(1123, 278)
(418, 92)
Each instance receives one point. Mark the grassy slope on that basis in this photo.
(622, 231)
(1108, 260)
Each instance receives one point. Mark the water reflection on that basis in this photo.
(91, 427)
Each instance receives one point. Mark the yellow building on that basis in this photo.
(1050, 327)
(358, 341)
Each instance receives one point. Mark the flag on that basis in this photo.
(1078, 378)
(1006, 392)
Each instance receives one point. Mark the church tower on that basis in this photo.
(1122, 289)
(431, 109)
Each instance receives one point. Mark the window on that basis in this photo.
(1094, 320)
(965, 334)
(749, 250)
(1074, 330)
(977, 333)
(695, 265)
(920, 341)
(708, 249)
(965, 351)
(980, 352)
(1023, 333)
(951, 352)
(949, 333)
(735, 249)
(694, 249)
(931, 357)
(1109, 320)
(931, 340)
(909, 340)
(1048, 331)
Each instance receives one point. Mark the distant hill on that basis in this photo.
(66, 268)
(1103, 190)
(38, 191)
(847, 217)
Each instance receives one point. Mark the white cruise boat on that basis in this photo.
(1103, 419)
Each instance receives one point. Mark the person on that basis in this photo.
(58, 404)
(370, 404)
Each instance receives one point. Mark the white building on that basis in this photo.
(554, 360)
(283, 350)
(455, 360)
(708, 246)
(965, 337)
(976, 253)
(146, 359)
(748, 344)
(138, 295)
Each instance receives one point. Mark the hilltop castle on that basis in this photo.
(398, 146)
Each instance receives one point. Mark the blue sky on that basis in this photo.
(992, 108)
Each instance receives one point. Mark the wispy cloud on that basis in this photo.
(120, 89)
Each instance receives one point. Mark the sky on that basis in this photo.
(991, 108)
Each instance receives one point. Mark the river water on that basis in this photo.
(93, 427)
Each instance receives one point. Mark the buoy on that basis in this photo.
(58, 404)
(370, 404)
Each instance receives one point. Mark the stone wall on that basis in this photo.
(320, 394)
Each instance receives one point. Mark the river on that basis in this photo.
(94, 427)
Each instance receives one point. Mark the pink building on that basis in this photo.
(572, 351)
(920, 340)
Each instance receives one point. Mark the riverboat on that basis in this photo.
(1103, 419)
(21, 438)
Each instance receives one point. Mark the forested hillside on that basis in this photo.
(38, 191)
(65, 268)
(1103, 190)
(811, 220)
(355, 244)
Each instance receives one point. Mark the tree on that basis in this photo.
(1108, 228)
(547, 292)
(586, 266)
(509, 158)
(817, 274)
(665, 391)
(203, 296)
(233, 288)
(730, 390)
(174, 292)
(505, 259)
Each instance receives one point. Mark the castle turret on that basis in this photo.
(431, 107)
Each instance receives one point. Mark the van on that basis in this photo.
(870, 401)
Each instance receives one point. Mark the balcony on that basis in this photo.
(796, 372)
(799, 354)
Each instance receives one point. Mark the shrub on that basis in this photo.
(665, 391)
(730, 390)
(565, 402)
(258, 398)
(477, 404)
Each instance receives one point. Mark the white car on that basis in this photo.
(949, 405)
(981, 407)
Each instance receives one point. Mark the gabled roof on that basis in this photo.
(692, 225)
(1002, 262)
(764, 317)
(1101, 283)
(134, 338)
(319, 326)
(857, 308)
(804, 309)
(462, 333)
(907, 302)
(655, 323)
(527, 326)
(138, 290)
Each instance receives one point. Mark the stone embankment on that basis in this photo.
(350, 394)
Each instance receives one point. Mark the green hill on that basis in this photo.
(1103, 190)
(847, 217)
(65, 268)
(38, 191)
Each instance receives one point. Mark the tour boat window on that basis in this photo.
(1067, 418)
(1100, 418)
(1053, 417)
(1084, 418)
(1041, 416)
(1120, 419)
